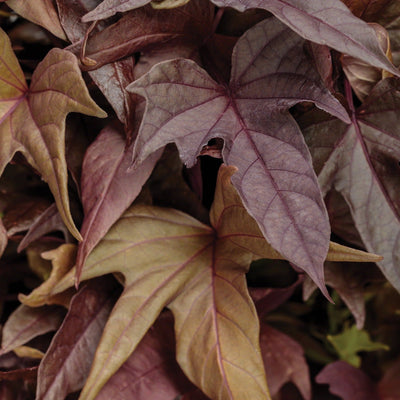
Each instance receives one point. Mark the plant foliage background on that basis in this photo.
(200, 199)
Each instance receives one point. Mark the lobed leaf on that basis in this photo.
(170, 259)
(329, 23)
(351, 341)
(361, 162)
(56, 86)
(261, 138)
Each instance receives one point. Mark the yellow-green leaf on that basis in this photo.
(32, 121)
(351, 341)
(169, 259)
(166, 4)
(63, 259)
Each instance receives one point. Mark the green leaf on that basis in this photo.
(351, 341)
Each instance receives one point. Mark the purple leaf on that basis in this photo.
(108, 8)
(261, 138)
(327, 22)
(111, 78)
(349, 280)
(284, 361)
(66, 364)
(347, 382)
(26, 323)
(266, 300)
(49, 221)
(361, 161)
(388, 387)
(151, 372)
(108, 188)
(145, 28)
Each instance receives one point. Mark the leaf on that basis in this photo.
(170, 259)
(349, 280)
(108, 8)
(145, 28)
(168, 3)
(49, 221)
(111, 78)
(67, 361)
(63, 259)
(108, 187)
(361, 161)
(388, 386)
(41, 13)
(347, 382)
(151, 370)
(328, 23)
(261, 138)
(40, 136)
(383, 12)
(351, 341)
(30, 352)
(19, 216)
(362, 76)
(342, 223)
(284, 361)
(25, 323)
(3, 238)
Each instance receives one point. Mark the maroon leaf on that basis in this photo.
(261, 138)
(108, 8)
(145, 27)
(361, 161)
(111, 78)
(284, 361)
(349, 280)
(49, 221)
(266, 300)
(342, 223)
(348, 382)
(108, 188)
(327, 22)
(26, 323)
(151, 372)
(388, 387)
(26, 374)
(20, 215)
(66, 364)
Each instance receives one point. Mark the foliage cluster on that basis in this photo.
(178, 177)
